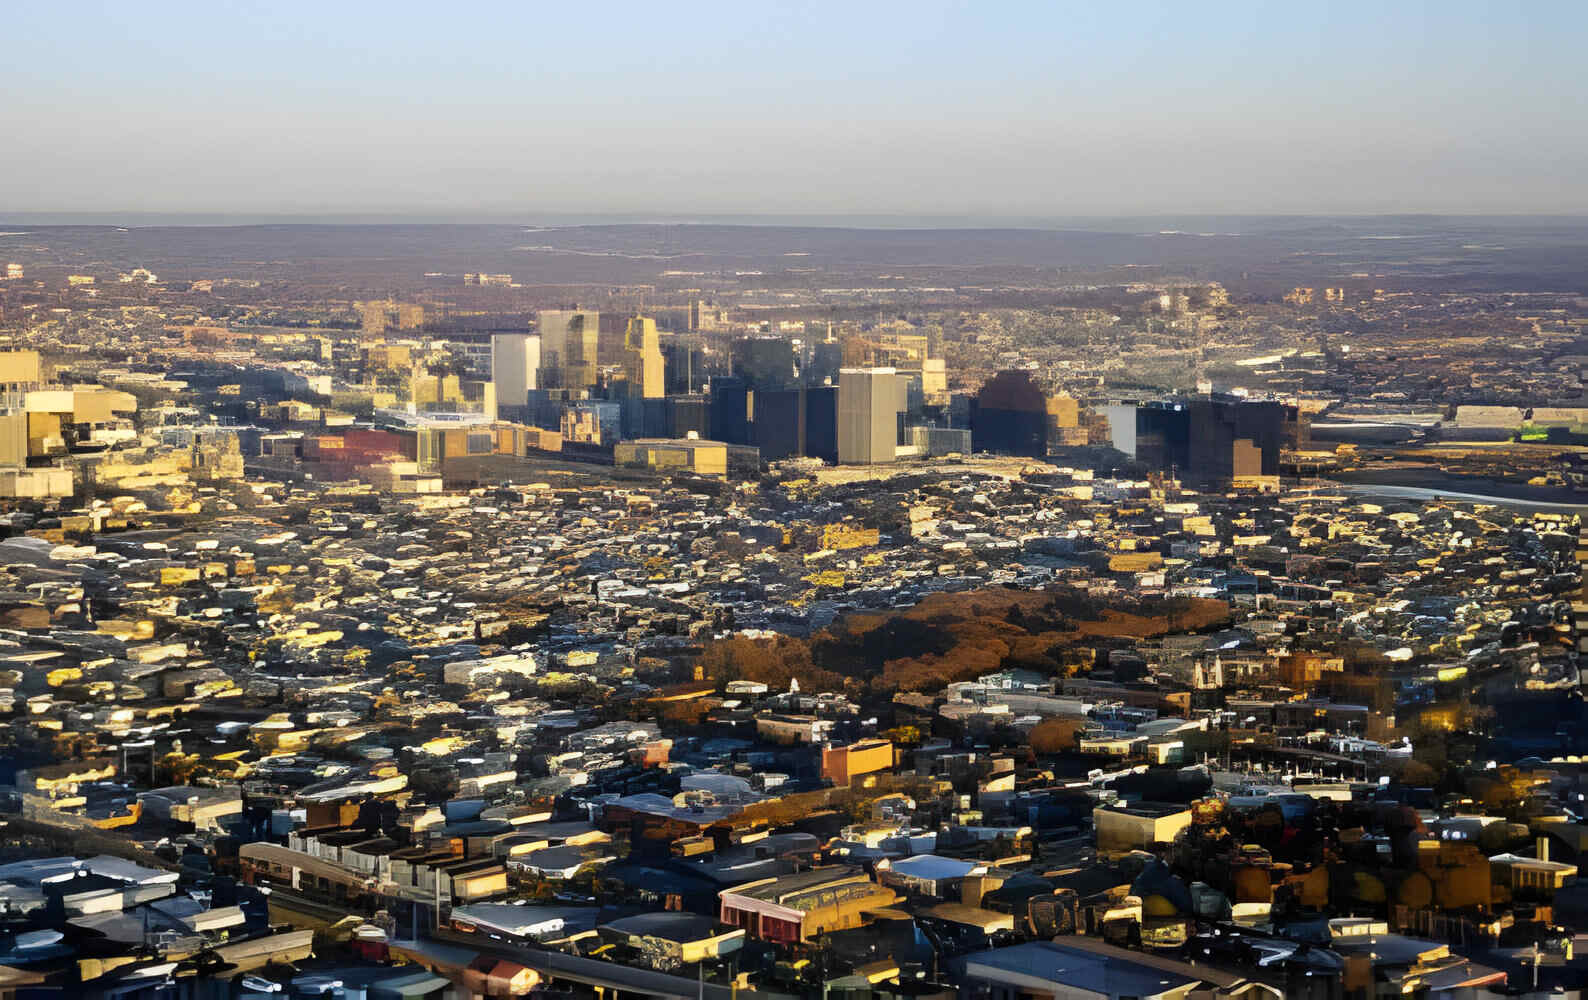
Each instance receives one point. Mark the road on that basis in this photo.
(594, 972)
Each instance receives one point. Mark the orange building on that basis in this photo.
(1306, 669)
(842, 765)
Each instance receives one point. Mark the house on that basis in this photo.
(490, 976)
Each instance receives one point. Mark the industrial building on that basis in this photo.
(799, 907)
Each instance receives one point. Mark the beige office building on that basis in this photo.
(868, 409)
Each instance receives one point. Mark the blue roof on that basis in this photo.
(933, 867)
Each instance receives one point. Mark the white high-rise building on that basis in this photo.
(515, 367)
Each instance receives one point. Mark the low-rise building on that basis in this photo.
(797, 907)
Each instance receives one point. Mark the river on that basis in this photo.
(1427, 484)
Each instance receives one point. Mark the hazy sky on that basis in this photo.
(983, 108)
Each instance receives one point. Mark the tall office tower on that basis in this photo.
(569, 341)
(869, 409)
(642, 358)
(821, 422)
(1297, 432)
(827, 357)
(1163, 436)
(910, 391)
(779, 428)
(1064, 422)
(1009, 416)
(684, 367)
(612, 337)
(764, 362)
(1232, 438)
(515, 365)
(686, 414)
(1210, 441)
(1121, 421)
(730, 410)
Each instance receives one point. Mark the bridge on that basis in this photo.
(448, 952)
(447, 949)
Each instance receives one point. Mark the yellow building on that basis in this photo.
(685, 937)
(704, 458)
(842, 765)
(393, 357)
(14, 438)
(798, 907)
(20, 371)
(35, 484)
(477, 879)
(60, 781)
(1532, 878)
(541, 439)
(1134, 562)
(451, 393)
(437, 443)
(1064, 411)
(642, 357)
(1307, 669)
(59, 418)
(1122, 829)
(400, 478)
(569, 347)
(377, 317)
(582, 426)
(848, 536)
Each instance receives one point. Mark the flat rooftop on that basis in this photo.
(799, 881)
(1105, 975)
(1148, 810)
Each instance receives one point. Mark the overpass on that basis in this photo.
(1323, 760)
(448, 952)
(446, 948)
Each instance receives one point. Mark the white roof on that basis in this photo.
(934, 868)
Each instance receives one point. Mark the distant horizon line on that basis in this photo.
(835, 220)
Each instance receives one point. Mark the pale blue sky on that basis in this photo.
(1017, 109)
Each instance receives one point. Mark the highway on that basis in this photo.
(594, 972)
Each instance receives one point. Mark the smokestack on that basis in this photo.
(1543, 849)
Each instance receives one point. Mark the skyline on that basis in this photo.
(902, 503)
(1024, 113)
